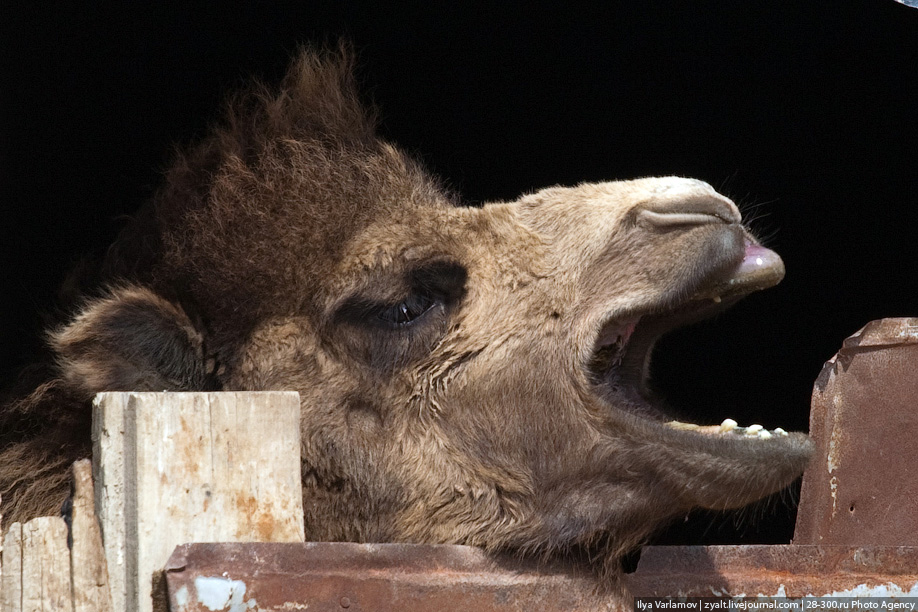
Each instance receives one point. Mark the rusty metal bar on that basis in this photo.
(776, 571)
(398, 577)
(361, 577)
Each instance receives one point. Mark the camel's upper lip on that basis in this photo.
(760, 268)
(621, 350)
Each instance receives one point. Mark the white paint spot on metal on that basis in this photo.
(832, 455)
(219, 593)
(833, 491)
(890, 589)
(181, 597)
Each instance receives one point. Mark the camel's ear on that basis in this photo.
(132, 340)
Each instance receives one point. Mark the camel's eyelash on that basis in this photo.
(388, 315)
(408, 310)
(438, 283)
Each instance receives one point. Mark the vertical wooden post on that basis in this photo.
(45, 565)
(11, 585)
(87, 558)
(36, 567)
(171, 468)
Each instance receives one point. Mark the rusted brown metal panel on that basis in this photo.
(398, 577)
(363, 577)
(863, 484)
(782, 571)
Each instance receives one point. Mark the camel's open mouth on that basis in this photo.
(622, 350)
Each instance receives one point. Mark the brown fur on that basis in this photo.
(279, 254)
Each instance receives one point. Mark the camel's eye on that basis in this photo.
(400, 318)
(407, 311)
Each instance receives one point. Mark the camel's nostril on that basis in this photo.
(687, 202)
(674, 219)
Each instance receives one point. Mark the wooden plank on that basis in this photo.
(45, 566)
(172, 468)
(90, 573)
(11, 584)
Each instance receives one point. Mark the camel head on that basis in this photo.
(474, 375)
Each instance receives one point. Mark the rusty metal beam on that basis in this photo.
(361, 577)
(776, 571)
(398, 577)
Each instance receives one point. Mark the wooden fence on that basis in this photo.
(169, 468)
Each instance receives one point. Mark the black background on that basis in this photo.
(805, 112)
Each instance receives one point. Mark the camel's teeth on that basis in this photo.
(730, 426)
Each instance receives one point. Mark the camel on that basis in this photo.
(468, 374)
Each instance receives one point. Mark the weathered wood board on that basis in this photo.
(36, 573)
(89, 572)
(172, 468)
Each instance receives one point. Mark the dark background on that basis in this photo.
(805, 112)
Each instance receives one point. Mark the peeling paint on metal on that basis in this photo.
(833, 491)
(181, 597)
(889, 589)
(832, 456)
(218, 593)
